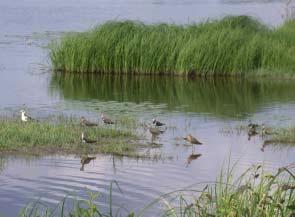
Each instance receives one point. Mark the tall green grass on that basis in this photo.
(232, 46)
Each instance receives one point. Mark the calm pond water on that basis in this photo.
(204, 108)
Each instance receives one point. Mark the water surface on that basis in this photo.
(201, 107)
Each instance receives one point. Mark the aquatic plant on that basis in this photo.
(254, 193)
(232, 46)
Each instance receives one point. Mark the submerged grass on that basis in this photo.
(232, 46)
(64, 137)
(254, 193)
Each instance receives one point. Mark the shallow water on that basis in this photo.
(205, 108)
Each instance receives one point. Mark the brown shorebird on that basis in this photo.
(192, 140)
(158, 123)
(155, 131)
(105, 119)
(86, 140)
(86, 123)
(85, 160)
(25, 117)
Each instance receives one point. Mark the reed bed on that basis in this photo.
(232, 46)
(255, 193)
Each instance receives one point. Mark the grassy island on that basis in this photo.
(64, 137)
(232, 46)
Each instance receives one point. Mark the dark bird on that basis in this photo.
(105, 119)
(25, 117)
(157, 123)
(87, 123)
(85, 160)
(252, 125)
(192, 140)
(252, 131)
(192, 157)
(87, 140)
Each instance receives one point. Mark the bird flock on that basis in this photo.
(155, 130)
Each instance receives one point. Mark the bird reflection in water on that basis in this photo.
(192, 157)
(85, 159)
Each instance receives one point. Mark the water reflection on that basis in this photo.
(221, 98)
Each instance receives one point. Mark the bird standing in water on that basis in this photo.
(87, 140)
(87, 123)
(158, 123)
(25, 117)
(252, 131)
(193, 141)
(155, 131)
(105, 119)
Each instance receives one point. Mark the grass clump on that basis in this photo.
(254, 193)
(232, 46)
(64, 138)
(281, 136)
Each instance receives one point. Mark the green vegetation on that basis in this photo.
(254, 193)
(281, 136)
(232, 46)
(65, 137)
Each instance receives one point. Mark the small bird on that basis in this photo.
(25, 117)
(155, 131)
(253, 126)
(157, 123)
(252, 131)
(192, 140)
(105, 119)
(85, 160)
(86, 123)
(87, 140)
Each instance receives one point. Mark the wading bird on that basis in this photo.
(158, 123)
(252, 131)
(87, 140)
(86, 123)
(25, 117)
(192, 140)
(155, 131)
(253, 126)
(105, 119)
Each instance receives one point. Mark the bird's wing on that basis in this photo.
(108, 121)
(29, 117)
(88, 123)
(90, 140)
